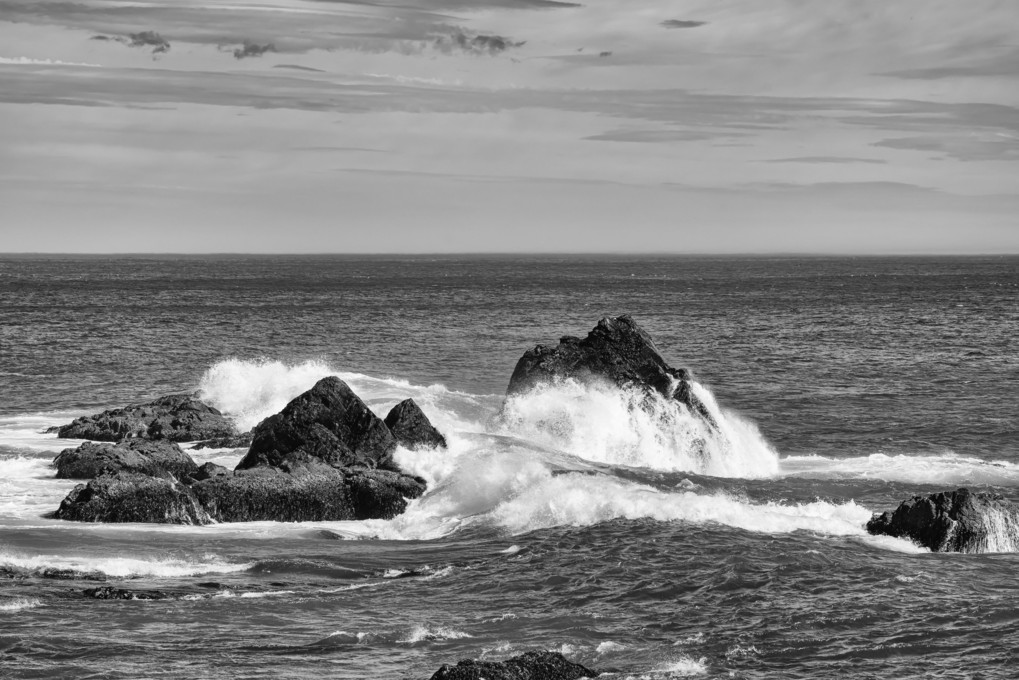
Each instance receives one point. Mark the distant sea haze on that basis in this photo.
(563, 518)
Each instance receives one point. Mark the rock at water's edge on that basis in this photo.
(328, 424)
(411, 427)
(529, 666)
(112, 593)
(315, 493)
(617, 349)
(176, 417)
(133, 455)
(133, 497)
(952, 521)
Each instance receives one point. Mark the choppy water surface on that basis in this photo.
(558, 520)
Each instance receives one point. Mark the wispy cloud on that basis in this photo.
(681, 23)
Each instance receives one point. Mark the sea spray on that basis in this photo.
(600, 422)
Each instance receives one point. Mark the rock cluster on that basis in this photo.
(953, 521)
(326, 456)
(617, 350)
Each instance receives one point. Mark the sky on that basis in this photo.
(402, 126)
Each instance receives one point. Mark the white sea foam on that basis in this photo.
(19, 604)
(947, 468)
(28, 61)
(121, 567)
(250, 390)
(423, 633)
(605, 424)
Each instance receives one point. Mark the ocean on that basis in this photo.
(561, 519)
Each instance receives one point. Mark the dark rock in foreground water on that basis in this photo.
(237, 441)
(411, 427)
(618, 350)
(328, 424)
(133, 455)
(954, 521)
(133, 497)
(177, 417)
(529, 666)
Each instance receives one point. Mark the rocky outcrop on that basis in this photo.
(313, 493)
(177, 418)
(529, 666)
(411, 427)
(133, 497)
(133, 455)
(617, 350)
(237, 441)
(325, 457)
(327, 424)
(954, 521)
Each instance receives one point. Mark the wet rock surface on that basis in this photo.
(953, 521)
(411, 427)
(175, 417)
(133, 497)
(133, 455)
(328, 424)
(617, 350)
(529, 666)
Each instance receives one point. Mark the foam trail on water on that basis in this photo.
(603, 423)
(121, 567)
(950, 469)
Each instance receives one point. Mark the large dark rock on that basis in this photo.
(133, 455)
(529, 666)
(313, 493)
(617, 350)
(328, 424)
(953, 521)
(411, 427)
(133, 497)
(177, 417)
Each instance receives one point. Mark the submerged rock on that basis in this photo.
(237, 441)
(133, 497)
(328, 424)
(411, 427)
(954, 521)
(529, 666)
(617, 350)
(112, 593)
(133, 455)
(176, 417)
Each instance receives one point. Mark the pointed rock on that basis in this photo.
(328, 424)
(411, 427)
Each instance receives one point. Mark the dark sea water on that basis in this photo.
(558, 520)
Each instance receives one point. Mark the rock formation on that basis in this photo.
(328, 424)
(237, 441)
(529, 666)
(411, 427)
(618, 350)
(326, 456)
(176, 417)
(954, 521)
(132, 455)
